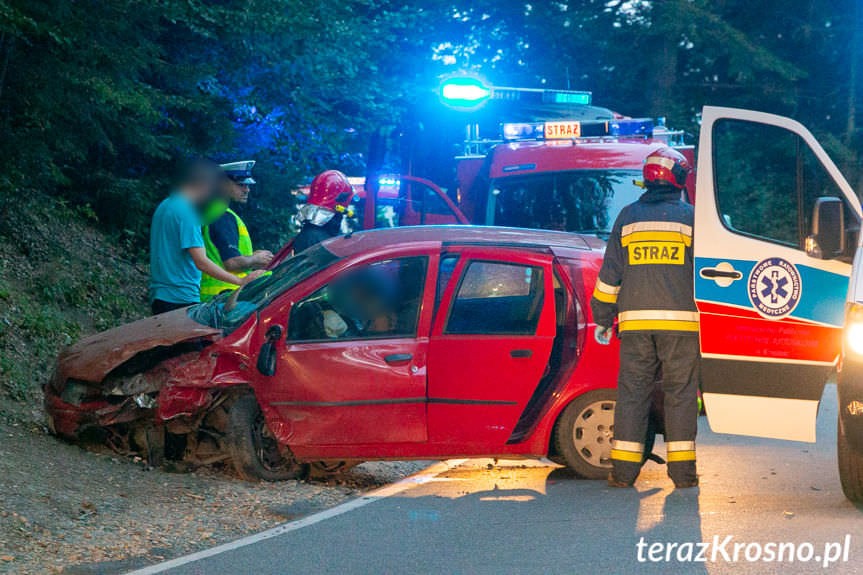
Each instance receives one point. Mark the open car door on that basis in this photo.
(771, 296)
(400, 200)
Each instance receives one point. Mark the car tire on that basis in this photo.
(583, 433)
(850, 467)
(254, 452)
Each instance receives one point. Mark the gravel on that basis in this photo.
(66, 510)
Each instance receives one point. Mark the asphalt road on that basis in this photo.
(533, 517)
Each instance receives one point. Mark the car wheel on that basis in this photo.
(584, 431)
(850, 467)
(254, 451)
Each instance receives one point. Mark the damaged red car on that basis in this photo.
(407, 343)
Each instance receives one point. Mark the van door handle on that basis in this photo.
(398, 358)
(521, 353)
(723, 274)
(710, 273)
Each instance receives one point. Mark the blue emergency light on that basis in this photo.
(573, 130)
(634, 127)
(523, 131)
(464, 92)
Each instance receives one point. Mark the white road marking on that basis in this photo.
(424, 476)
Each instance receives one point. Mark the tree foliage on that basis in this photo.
(97, 97)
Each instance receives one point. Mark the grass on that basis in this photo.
(60, 279)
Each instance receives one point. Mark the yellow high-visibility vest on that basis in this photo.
(210, 286)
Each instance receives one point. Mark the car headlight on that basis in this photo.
(854, 328)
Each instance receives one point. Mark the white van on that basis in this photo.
(776, 232)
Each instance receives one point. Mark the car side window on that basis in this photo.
(497, 298)
(373, 301)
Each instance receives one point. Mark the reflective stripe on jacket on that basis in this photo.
(646, 276)
(210, 286)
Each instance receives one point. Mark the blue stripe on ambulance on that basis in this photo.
(822, 296)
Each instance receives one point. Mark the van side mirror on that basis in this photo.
(267, 357)
(827, 240)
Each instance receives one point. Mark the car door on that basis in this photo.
(491, 340)
(353, 367)
(771, 310)
(402, 200)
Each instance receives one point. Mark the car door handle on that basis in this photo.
(398, 358)
(521, 353)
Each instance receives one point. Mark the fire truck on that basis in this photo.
(515, 157)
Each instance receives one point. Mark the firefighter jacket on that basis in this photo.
(646, 278)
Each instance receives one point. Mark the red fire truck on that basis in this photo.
(540, 159)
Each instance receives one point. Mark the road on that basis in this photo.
(535, 517)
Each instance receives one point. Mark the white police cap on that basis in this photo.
(240, 172)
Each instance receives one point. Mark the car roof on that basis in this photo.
(491, 236)
(523, 158)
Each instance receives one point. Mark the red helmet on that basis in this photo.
(331, 190)
(666, 166)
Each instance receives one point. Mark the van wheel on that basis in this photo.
(584, 431)
(850, 467)
(254, 451)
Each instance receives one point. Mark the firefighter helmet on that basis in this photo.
(666, 166)
(331, 190)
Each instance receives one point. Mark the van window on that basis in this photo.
(767, 180)
(497, 298)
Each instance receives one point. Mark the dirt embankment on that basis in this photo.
(66, 510)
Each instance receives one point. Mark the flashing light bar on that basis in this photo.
(568, 130)
(524, 131)
(637, 127)
(468, 92)
(464, 92)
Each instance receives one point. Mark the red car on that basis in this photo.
(424, 342)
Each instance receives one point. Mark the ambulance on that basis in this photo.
(776, 242)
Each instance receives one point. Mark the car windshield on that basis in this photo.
(585, 201)
(230, 310)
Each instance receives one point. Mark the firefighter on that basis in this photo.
(226, 237)
(646, 282)
(329, 201)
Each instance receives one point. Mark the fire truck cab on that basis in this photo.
(548, 175)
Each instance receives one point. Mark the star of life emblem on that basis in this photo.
(774, 287)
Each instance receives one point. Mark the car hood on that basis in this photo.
(92, 358)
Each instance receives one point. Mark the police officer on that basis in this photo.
(226, 238)
(329, 201)
(646, 281)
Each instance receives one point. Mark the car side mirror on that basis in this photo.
(827, 240)
(267, 357)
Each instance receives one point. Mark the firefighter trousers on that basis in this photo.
(642, 355)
